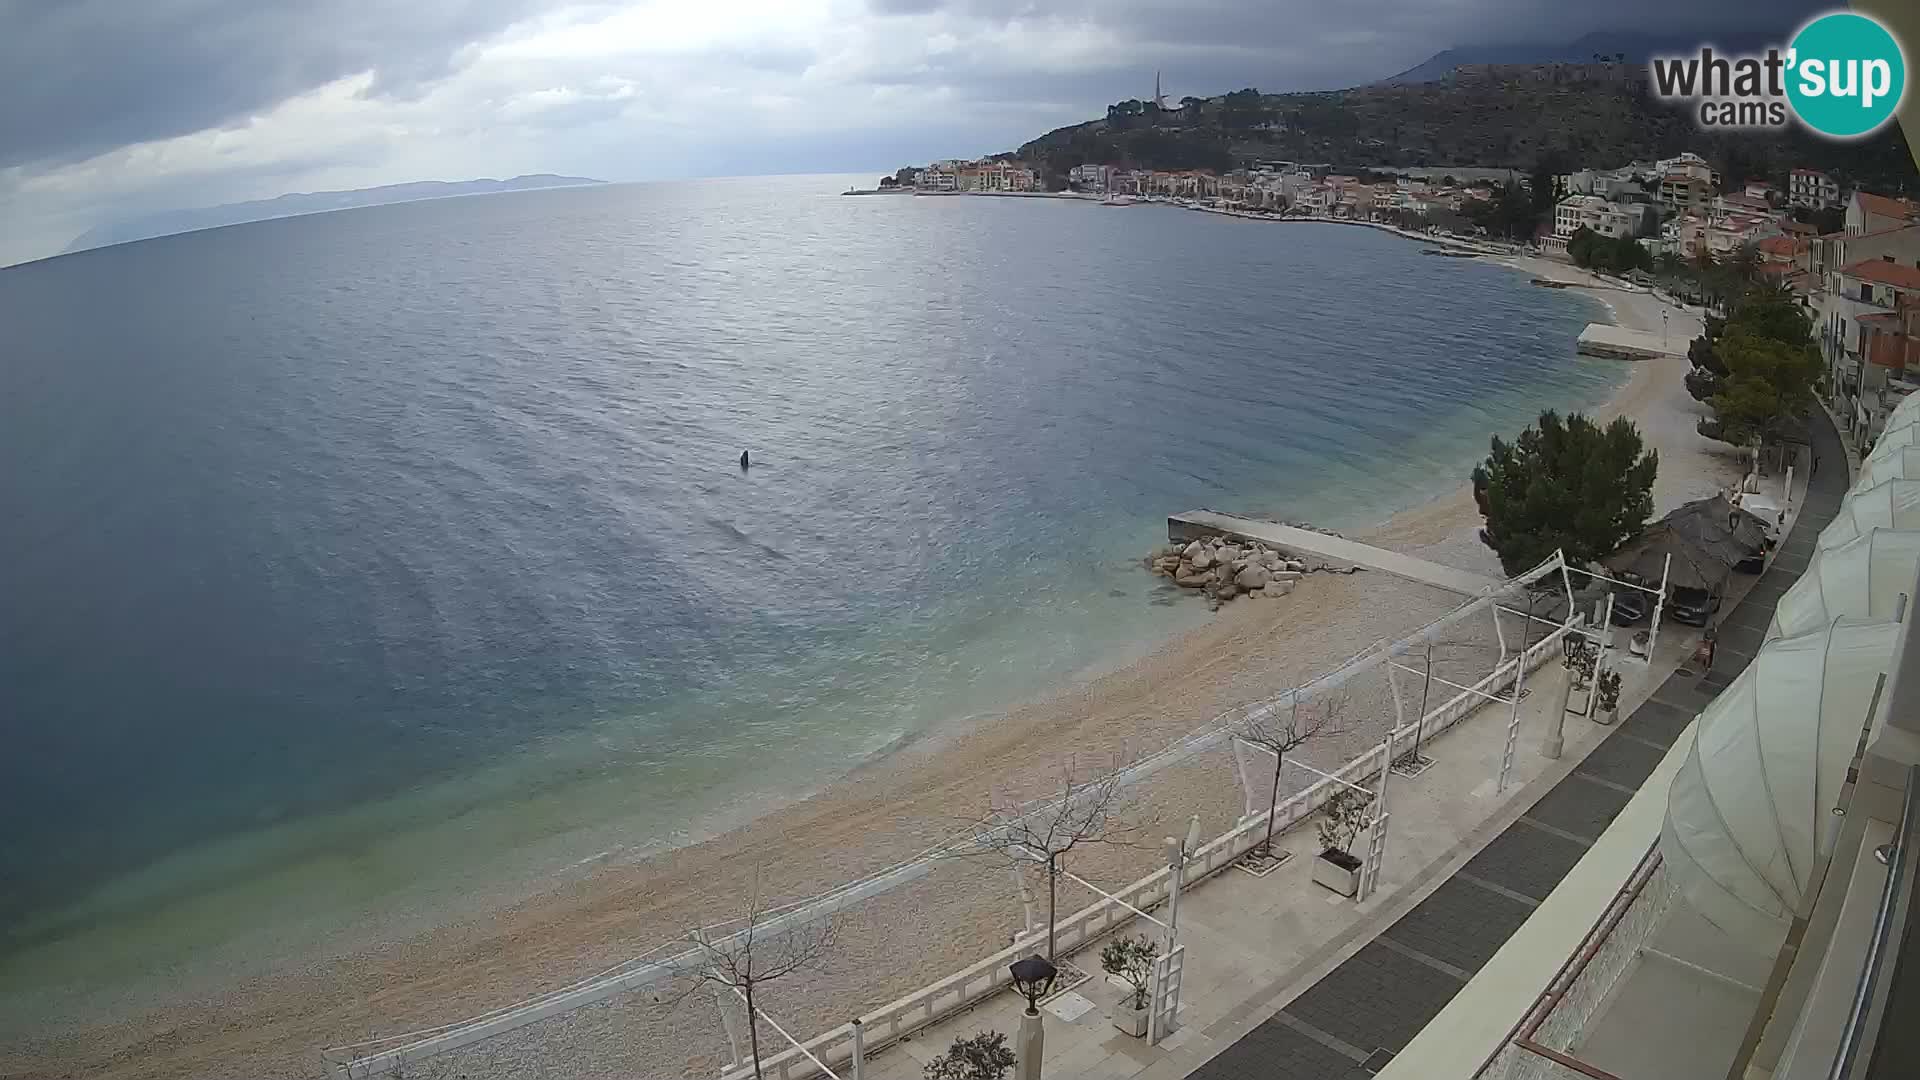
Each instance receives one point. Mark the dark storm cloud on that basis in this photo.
(1214, 45)
(85, 76)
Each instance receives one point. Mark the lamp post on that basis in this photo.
(1032, 977)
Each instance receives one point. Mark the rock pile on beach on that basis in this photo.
(1221, 569)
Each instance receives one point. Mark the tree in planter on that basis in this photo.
(1580, 662)
(1567, 485)
(1341, 820)
(766, 951)
(1279, 736)
(1131, 960)
(982, 1056)
(1086, 812)
(1608, 689)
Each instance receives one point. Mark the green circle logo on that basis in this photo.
(1846, 75)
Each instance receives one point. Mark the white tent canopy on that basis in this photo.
(1907, 434)
(1904, 413)
(1891, 462)
(1862, 578)
(1749, 813)
(1890, 504)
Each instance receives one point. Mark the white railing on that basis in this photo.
(938, 1000)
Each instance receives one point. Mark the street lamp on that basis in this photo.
(1032, 977)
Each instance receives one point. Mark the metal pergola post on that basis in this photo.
(1377, 827)
(1659, 603)
(1513, 718)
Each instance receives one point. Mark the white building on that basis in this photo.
(1592, 212)
(1091, 177)
(1689, 165)
(1811, 187)
(939, 176)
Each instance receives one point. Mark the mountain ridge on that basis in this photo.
(296, 204)
(1636, 48)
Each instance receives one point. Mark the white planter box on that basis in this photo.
(1334, 876)
(1129, 1019)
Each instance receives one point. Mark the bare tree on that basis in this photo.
(1279, 731)
(1089, 811)
(771, 946)
(1413, 757)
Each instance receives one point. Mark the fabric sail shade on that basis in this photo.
(1890, 504)
(1749, 813)
(1862, 578)
(1890, 462)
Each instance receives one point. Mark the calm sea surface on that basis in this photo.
(359, 562)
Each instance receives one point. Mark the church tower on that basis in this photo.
(1159, 99)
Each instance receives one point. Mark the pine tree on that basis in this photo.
(1566, 485)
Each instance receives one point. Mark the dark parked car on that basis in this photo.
(1630, 605)
(1693, 606)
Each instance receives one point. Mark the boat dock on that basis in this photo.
(1335, 549)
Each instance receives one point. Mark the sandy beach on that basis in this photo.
(273, 1026)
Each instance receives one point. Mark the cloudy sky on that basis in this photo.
(117, 107)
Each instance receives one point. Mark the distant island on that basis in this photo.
(168, 222)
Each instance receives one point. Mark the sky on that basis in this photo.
(114, 108)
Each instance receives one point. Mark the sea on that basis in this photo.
(362, 568)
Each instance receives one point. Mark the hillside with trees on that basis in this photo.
(1548, 117)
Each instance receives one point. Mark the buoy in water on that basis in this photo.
(744, 462)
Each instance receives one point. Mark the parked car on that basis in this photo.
(1692, 606)
(1630, 605)
(1755, 562)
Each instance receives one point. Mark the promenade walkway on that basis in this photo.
(1334, 548)
(1351, 1022)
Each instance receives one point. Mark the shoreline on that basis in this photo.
(887, 806)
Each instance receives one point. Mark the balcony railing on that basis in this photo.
(1885, 930)
(1540, 1046)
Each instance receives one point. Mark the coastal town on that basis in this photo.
(1851, 257)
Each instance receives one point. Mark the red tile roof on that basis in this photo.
(1786, 246)
(1880, 271)
(1883, 206)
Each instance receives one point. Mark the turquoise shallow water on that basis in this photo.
(367, 562)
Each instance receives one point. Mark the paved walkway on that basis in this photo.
(1351, 1022)
(1337, 548)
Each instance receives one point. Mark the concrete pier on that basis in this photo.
(1333, 549)
(1619, 343)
